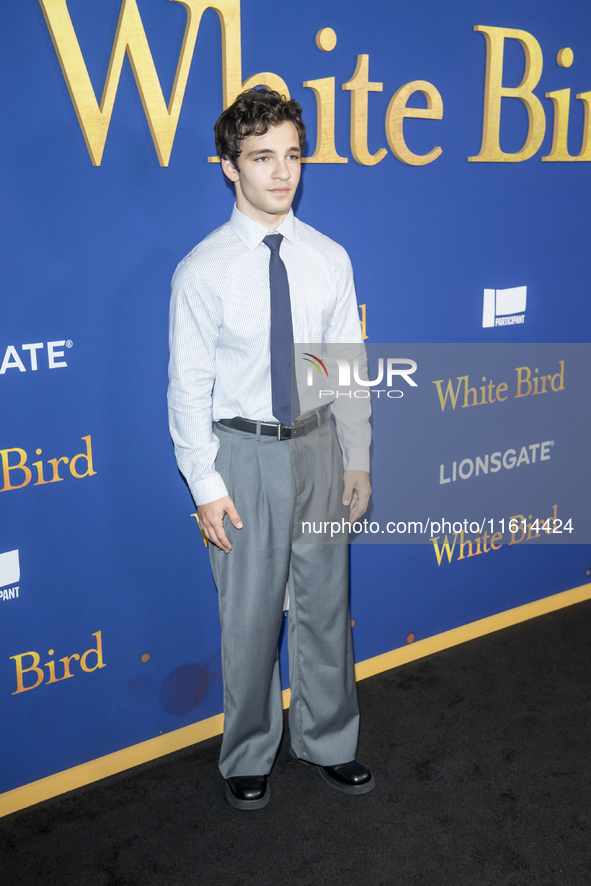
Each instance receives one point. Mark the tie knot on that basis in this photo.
(273, 241)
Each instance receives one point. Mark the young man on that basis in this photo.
(239, 299)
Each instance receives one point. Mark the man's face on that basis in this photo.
(269, 174)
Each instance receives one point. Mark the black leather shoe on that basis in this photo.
(248, 791)
(351, 778)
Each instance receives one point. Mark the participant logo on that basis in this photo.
(504, 307)
(10, 573)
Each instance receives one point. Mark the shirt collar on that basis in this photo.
(252, 233)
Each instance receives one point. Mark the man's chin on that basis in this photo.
(280, 207)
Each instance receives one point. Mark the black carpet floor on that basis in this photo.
(481, 757)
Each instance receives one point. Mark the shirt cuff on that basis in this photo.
(206, 491)
(356, 460)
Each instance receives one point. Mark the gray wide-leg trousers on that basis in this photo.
(259, 472)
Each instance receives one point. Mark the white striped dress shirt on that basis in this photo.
(220, 337)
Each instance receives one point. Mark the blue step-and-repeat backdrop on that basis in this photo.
(448, 150)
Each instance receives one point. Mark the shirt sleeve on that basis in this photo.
(351, 414)
(195, 324)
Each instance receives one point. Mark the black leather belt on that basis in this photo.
(273, 429)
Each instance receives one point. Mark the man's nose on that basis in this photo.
(281, 170)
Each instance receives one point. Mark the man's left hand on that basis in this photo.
(356, 494)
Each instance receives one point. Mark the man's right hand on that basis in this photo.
(211, 519)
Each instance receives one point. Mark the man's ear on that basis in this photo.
(229, 169)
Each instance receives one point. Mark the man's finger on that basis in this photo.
(357, 492)
(358, 508)
(234, 517)
(211, 517)
(348, 492)
(218, 537)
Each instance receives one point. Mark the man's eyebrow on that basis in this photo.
(260, 152)
(266, 151)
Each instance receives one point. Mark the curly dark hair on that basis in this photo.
(253, 113)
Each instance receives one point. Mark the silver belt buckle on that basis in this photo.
(280, 429)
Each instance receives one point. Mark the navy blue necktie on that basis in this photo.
(282, 371)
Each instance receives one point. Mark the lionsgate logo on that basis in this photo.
(34, 356)
(10, 574)
(504, 307)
